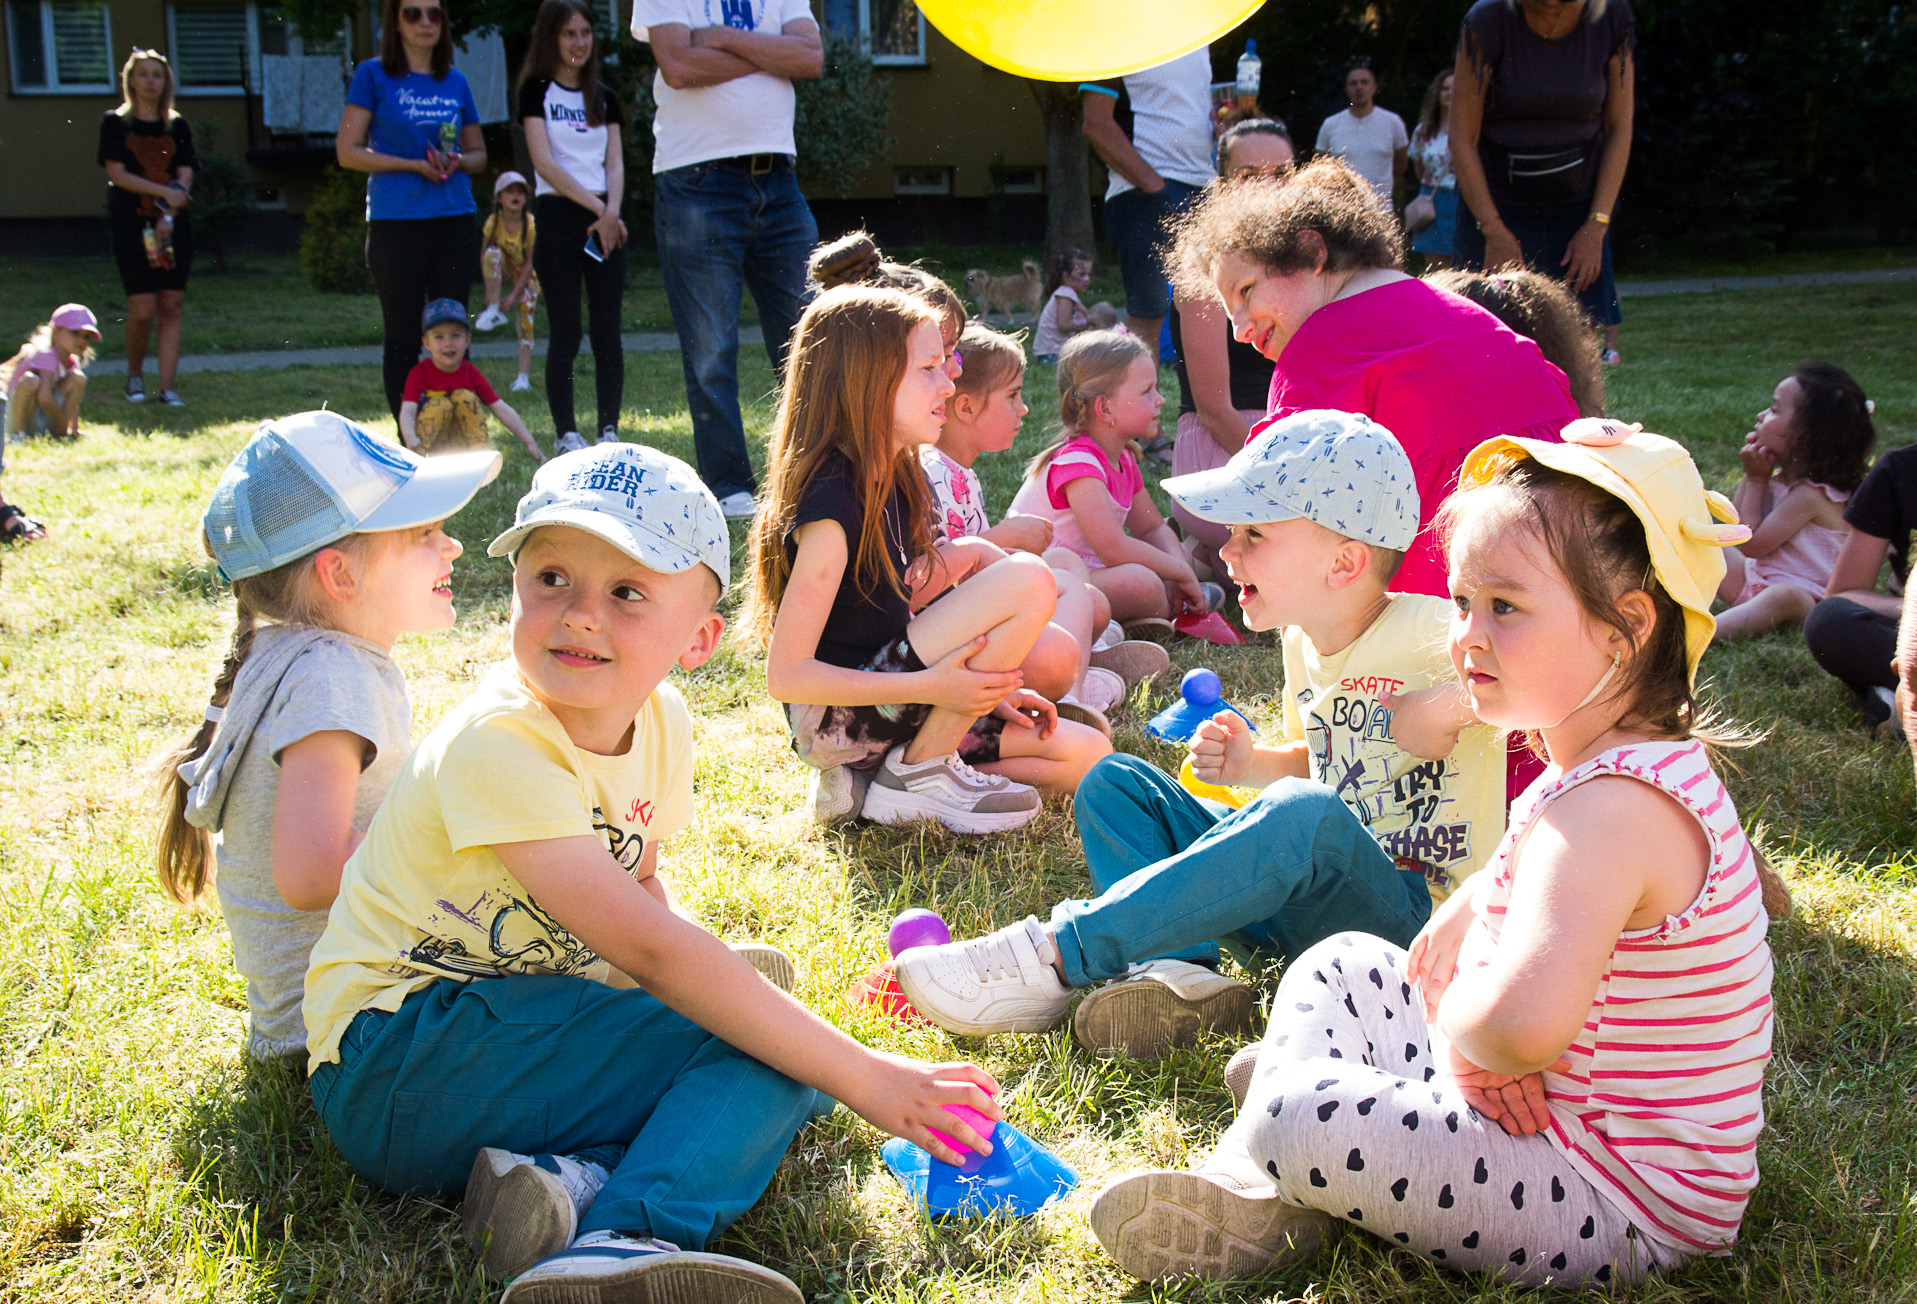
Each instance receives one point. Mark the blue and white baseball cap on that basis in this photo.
(1340, 469)
(313, 478)
(648, 504)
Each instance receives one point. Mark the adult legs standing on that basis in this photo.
(411, 262)
(560, 259)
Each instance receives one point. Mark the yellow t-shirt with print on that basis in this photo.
(424, 898)
(1442, 817)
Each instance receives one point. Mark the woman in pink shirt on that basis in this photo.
(1309, 273)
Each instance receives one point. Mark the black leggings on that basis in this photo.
(559, 256)
(414, 261)
(1853, 642)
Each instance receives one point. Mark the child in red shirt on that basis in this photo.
(446, 398)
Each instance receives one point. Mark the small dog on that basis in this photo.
(1002, 292)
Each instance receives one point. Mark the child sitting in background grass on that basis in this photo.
(331, 540)
(45, 381)
(1349, 830)
(984, 416)
(505, 261)
(446, 398)
(509, 996)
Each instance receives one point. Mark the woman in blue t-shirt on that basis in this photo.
(410, 120)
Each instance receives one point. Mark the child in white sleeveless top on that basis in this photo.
(1543, 1088)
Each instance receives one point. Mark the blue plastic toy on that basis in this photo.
(1020, 1176)
(1200, 697)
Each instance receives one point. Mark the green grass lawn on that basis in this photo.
(144, 1159)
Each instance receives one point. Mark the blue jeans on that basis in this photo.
(1543, 234)
(544, 1064)
(1174, 872)
(1136, 223)
(719, 229)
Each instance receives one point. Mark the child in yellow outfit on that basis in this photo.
(506, 248)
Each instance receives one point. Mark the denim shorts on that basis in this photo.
(860, 736)
(1135, 223)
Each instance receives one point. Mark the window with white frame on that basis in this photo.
(60, 46)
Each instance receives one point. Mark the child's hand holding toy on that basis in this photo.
(1221, 749)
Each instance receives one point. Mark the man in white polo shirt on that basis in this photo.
(1372, 140)
(1153, 129)
(727, 210)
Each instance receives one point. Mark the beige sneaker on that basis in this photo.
(1239, 1071)
(778, 967)
(1070, 708)
(1161, 1004)
(1133, 660)
(1161, 1226)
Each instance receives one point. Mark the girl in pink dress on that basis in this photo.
(1802, 461)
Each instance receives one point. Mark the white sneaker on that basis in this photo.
(521, 1208)
(779, 968)
(607, 1268)
(491, 319)
(1102, 689)
(609, 435)
(1133, 660)
(521, 383)
(170, 399)
(948, 790)
(136, 389)
(1001, 982)
(837, 793)
(1164, 1226)
(1113, 633)
(570, 442)
(1239, 1071)
(1161, 1004)
(738, 506)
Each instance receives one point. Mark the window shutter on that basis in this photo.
(209, 43)
(80, 54)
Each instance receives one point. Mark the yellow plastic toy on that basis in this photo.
(1197, 787)
(1070, 40)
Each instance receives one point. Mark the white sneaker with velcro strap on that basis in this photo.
(1001, 982)
(948, 790)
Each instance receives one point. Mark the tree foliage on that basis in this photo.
(842, 117)
(333, 240)
(224, 201)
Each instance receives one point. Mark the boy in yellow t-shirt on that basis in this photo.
(471, 1010)
(1350, 830)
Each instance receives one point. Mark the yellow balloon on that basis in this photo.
(1073, 40)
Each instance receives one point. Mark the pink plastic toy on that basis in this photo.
(916, 927)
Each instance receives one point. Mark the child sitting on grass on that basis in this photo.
(45, 381)
(471, 1009)
(1350, 830)
(1089, 486)
(901, 702)
(984, 416)
(1803, 459)
(1065, 314)
(505, 260)
(1561, 1081)
(446, 398)
(331, 540)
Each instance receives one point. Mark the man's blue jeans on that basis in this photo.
(1175, 872)
(721, 228)
(544, 1064)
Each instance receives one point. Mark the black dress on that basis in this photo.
(156, 152)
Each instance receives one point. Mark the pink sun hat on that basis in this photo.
(77, 317)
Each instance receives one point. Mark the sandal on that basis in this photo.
(17, 527)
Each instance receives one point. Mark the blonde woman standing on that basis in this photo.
(147, 151)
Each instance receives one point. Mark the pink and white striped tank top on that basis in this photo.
(1663, 1103)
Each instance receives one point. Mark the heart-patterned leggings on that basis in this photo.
(1348, 1112)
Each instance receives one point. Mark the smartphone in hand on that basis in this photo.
(593, 251)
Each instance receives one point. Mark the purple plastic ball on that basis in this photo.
(1201, 687)
(916, 927)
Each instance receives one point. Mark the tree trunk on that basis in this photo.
(1068, 188)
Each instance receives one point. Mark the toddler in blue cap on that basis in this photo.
(443, 407)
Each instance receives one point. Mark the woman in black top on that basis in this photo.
(1541, 110)
(147, 151)
(573, 132)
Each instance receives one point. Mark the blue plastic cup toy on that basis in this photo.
(1019, 1177)
(1200, 697)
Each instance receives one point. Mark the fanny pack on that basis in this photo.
(1540, 179)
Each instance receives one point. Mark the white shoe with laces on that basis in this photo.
(521, 382)
(1001, 982)
(608, 1268)
(948, 790)
(570, 442)
(521, 1208)
(738, 506)
(610, 435)
(491, 319)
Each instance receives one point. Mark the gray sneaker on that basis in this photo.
(948, 790)
(570, 442)
(779, 968)
(520, 1208)
(1161, 1004)
(1166, 1226)
(837, 793)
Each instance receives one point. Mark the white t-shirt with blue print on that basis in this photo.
(747, 115)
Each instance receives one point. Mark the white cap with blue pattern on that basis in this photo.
(313, 478)
(648, 504)
(1340, 469)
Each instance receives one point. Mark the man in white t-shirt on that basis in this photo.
(1372, 140)
(1153, 129)
(727, 211)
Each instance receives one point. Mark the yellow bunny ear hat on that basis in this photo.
(1687, 526)
(1082, 40)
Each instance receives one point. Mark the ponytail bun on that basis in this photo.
(849, 260)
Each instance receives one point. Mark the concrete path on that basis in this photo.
(667, 342)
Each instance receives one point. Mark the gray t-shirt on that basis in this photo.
(341, 682)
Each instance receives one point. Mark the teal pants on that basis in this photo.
(1174, 873)
(544, 1064)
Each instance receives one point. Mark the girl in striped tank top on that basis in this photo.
(1561, 1080)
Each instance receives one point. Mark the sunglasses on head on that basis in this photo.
(417, 14)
